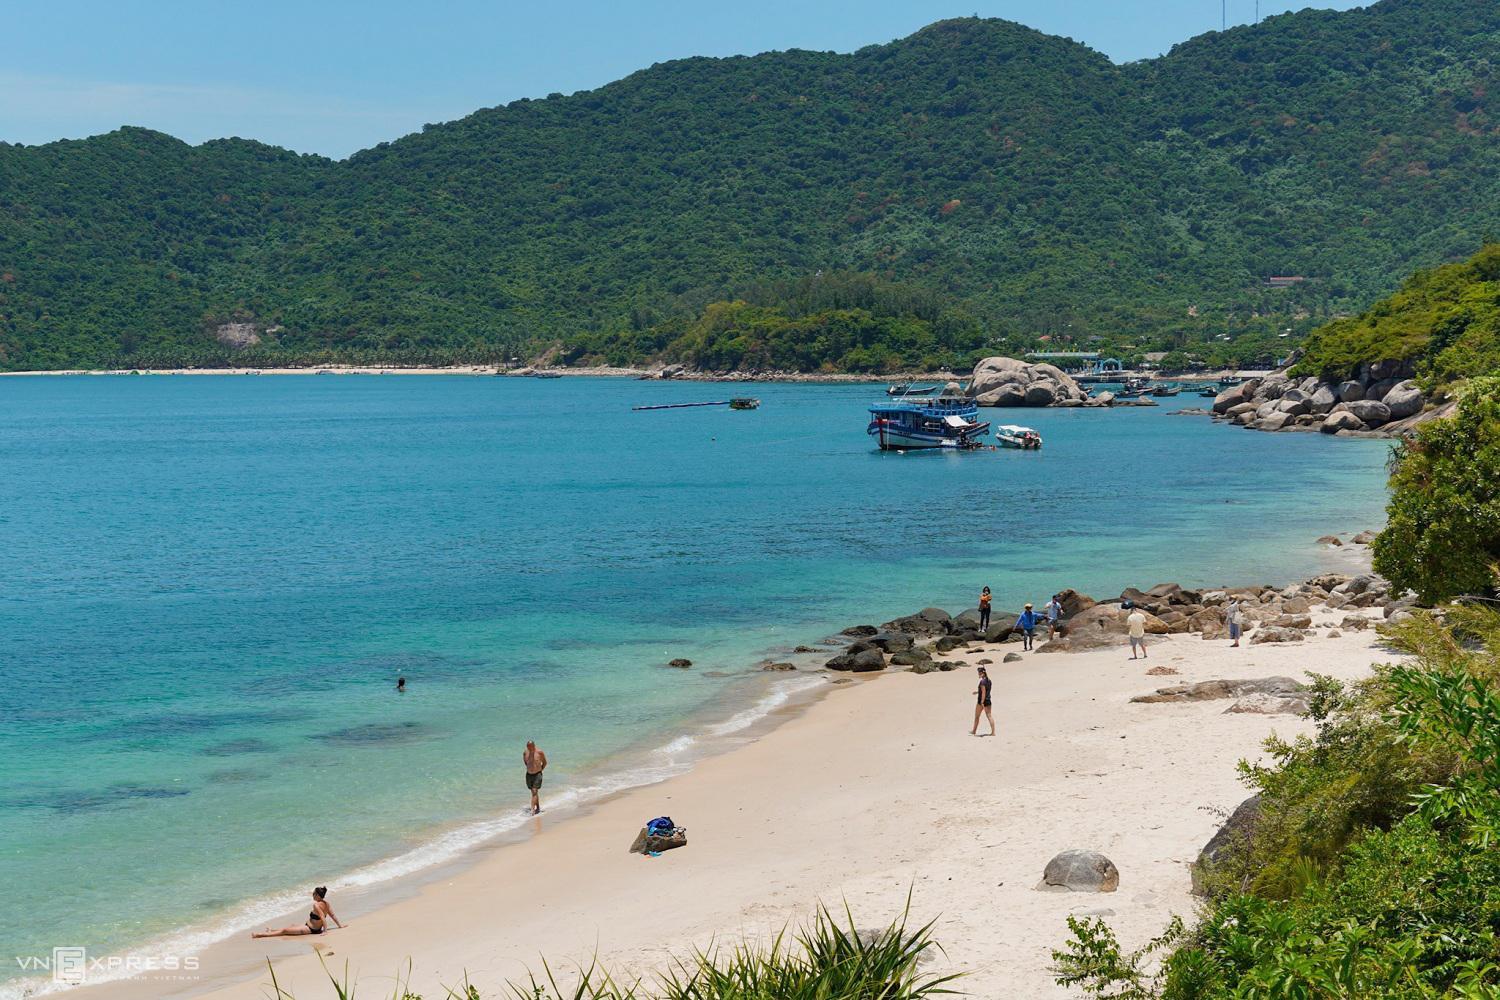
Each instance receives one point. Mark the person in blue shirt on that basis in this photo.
(1027, 624)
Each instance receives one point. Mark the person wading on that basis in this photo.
(536, 763)
(982, 708)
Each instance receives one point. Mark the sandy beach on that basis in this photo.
(867, 794)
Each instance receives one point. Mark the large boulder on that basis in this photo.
(1371, 412)
(1341, 420)
(1234, 835)
(1041, 393)
(1273, 422)
(1005, 395)
(891, 642)
(928, 621)
(1000, 381)
(1081, 871)
(1272, 386)
(863, 661)
(1296, 407)
(1404, 400)
(1323, 399)
(1232, 396)
(1351, 392)
(1073, 602)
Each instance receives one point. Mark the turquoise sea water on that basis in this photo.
(210, 584)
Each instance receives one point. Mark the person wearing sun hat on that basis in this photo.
(1027, 624)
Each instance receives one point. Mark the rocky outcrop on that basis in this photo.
(1081, 871)
(1381, 399)
(1002, 381)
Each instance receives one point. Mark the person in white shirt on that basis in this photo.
(1136, 625)
(1053, 611)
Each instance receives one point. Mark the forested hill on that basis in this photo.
(1027, 180)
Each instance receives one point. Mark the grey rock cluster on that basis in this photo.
(1380, 397)
(1008, 382)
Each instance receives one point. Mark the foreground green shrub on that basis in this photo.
(1442, 538)
(827, 960)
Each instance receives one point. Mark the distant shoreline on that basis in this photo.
(493, 371)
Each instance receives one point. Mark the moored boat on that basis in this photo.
(907, 389)
(1016, 436)
(1169, 389)
(927, 422)
(744, 403)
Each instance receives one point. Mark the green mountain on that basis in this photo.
(1027, 182)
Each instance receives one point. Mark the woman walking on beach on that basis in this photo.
(983, 706)
(984, 609)
(321, 912)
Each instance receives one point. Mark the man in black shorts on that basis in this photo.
(536, 763)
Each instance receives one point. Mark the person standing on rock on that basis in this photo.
(536, 763)
(983, 706)
(1234, 617)
(984, 609)
(1053, 611)
(1027, 624)
(1136, 626)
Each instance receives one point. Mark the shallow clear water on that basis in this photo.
(209, 584)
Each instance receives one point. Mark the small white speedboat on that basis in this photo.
(1016, 436)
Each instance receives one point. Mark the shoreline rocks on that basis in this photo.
(1381, 400)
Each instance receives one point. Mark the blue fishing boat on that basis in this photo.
(927, 422)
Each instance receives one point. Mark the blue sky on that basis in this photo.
(331, 76)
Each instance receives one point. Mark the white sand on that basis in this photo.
(876, 790)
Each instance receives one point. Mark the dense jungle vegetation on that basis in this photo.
(1447, 319)
(1024, 182)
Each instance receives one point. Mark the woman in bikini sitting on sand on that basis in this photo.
(321, 912)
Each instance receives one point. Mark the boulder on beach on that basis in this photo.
(1073, 602)
(1012, 658)
(1214, 690)
(1234, 835)
(911, 658)
(860, 661)
(858, 630)
(891, 642)
(1081, 871)
(1272, 633)
(778, 666)
(927, 622)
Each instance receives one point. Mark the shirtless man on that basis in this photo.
(536, 762)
